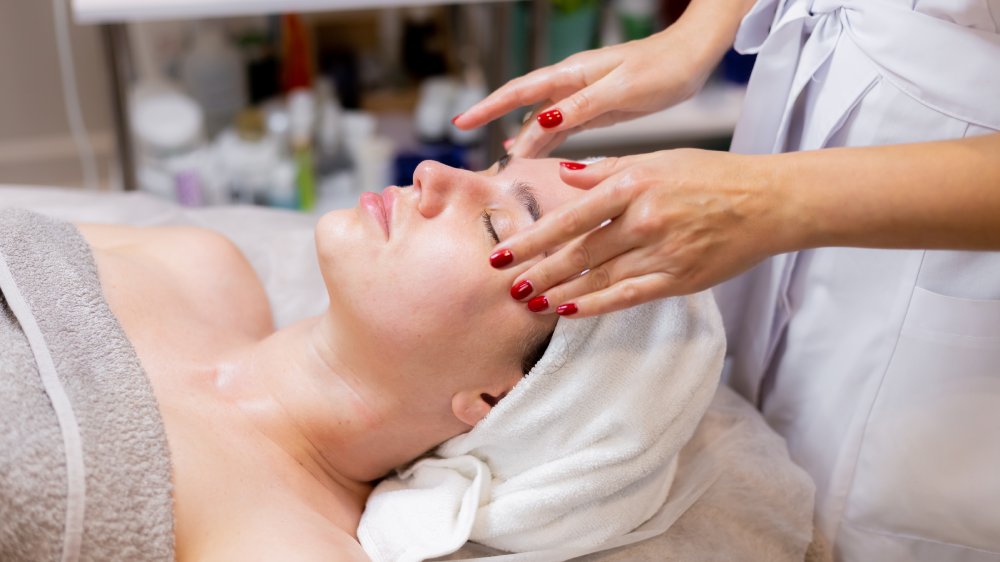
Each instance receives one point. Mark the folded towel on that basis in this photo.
(84, 463)
(582, 450)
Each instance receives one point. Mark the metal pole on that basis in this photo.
(116, 51)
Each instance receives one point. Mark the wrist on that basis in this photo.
(786, 207)
(711, 27)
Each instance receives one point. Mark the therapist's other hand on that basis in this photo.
(681, 221)
(599, 88)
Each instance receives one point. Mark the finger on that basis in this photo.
(549, 143)
(533, 142)
(593, 174)
(564, 223)
(579, 108)
(624, 294)
(589, 252)
(563, 117)
(536, 86)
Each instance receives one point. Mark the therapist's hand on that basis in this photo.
(681, 221)
(600, 87)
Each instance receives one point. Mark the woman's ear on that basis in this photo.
(470, 406)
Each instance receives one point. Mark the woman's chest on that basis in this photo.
(174, 322)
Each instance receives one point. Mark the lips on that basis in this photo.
(388, 204)
(375, 206)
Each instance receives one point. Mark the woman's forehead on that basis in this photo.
(540, 173)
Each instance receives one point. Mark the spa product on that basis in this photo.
(302, 123)
(212, 72)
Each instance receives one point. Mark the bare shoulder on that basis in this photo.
(198, 262)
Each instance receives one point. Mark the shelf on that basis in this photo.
(115, 11)
(712, 113)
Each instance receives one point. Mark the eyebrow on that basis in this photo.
(523, 192)
(525, 195)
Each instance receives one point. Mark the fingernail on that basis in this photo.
(501, 258)
(549, 119)
(521, 290)
(572, 165)
(455, 118)
(566, 309)
(538, 303)
(507, 143)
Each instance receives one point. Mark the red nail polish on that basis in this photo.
(501, 257)
(455, 118)
(572, 165)
(538, 303)
(521, 290)
(549, 119)
(566, 309)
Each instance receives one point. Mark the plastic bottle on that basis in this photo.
(330, 127)
(302, 123)
(168, 127)
(212, 71)
(247, 155)
(638, 17)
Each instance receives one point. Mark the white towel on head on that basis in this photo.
(582, 450)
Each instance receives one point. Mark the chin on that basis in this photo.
(337, 237)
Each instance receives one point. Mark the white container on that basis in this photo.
(212, 72)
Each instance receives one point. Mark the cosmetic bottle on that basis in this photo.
(302, 123)
(637, 17)
(247, 154)
(212, 72)
(435, 108)
(329, 129)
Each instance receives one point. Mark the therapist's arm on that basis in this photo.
(684, 220)
(940, 195)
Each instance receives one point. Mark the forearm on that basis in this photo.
(935, 195)
(712, 25)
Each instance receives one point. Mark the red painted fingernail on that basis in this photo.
(501, 258)
(455, 118)
(566, 309)
(521, 290)
(538, 303)
(551, 118)
(572, 165)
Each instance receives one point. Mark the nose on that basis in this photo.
(438, 186)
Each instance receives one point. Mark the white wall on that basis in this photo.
(35, 142)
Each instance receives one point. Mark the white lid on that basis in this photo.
(301, 115)
(166, 120)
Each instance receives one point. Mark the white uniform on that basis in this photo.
(880, 367)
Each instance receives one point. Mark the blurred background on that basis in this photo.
(301, 104)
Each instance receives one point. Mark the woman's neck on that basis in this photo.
(336, 422)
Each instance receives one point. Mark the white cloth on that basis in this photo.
(878, 366)
(581, 451)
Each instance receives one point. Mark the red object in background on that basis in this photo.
(296, 56)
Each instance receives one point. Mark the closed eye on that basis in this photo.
(488, 223)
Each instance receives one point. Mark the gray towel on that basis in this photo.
(127, 503)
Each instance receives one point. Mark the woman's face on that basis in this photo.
(410, 284)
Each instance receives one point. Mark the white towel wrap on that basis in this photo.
(581, 452)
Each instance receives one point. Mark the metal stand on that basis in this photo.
(116, 50)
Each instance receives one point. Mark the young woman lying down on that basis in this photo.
(150, 410)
